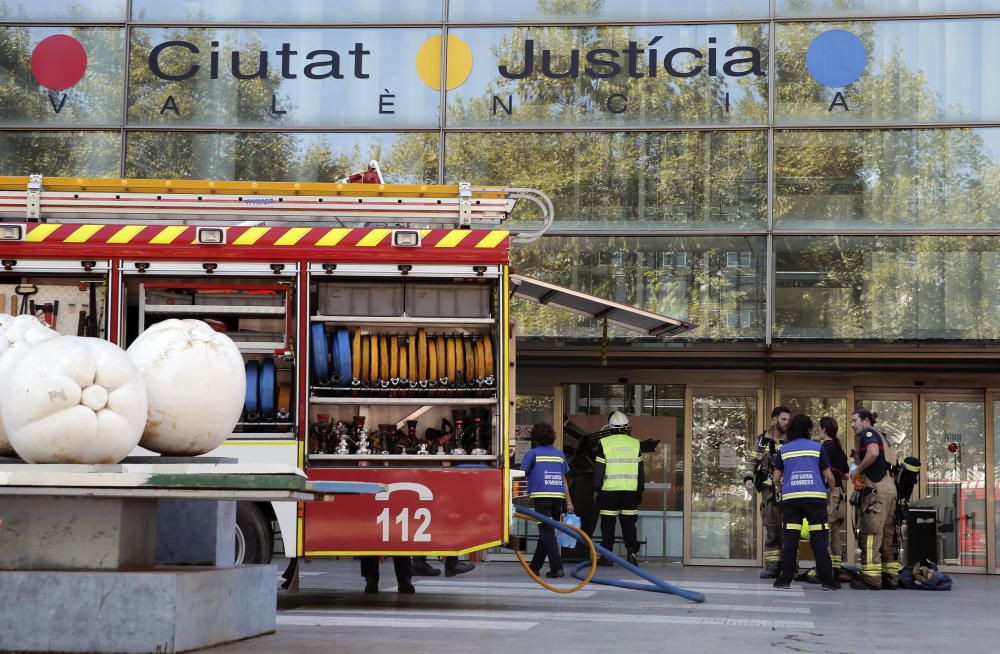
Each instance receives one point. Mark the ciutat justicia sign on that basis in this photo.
(182, 60)
(634, 61)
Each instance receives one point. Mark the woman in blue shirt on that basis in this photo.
(546, 468)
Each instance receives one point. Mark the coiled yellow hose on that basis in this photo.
(560, 589)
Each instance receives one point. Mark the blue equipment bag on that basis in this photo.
(565, 540)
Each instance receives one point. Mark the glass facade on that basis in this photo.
(616, 181)
(887, 288)
(693, 162)
(297, 156)
(613, 75)
(715, 282)
(913, 71)
(898, 179)
(37, 93)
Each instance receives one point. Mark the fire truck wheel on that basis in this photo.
(254, 539)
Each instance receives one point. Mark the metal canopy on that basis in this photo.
(644, 322)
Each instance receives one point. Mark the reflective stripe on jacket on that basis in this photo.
(621, 460)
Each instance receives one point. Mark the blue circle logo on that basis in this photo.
(836, 58)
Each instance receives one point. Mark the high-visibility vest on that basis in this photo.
(621, 462)
(802, 478)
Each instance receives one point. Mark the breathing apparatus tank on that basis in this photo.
(906, 475)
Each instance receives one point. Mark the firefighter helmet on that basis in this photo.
(618, 420)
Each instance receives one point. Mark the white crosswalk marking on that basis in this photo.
(521, 588)
(531, 584)
(398, 623)
(521, 617)
(463, 589)
(633, 605)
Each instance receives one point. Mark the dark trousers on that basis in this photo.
(792, 513)
(547, 545)
(369, 568)
(623, 505)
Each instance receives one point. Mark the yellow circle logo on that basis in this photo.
(459, 62)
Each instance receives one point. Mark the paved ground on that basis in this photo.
(497, 608)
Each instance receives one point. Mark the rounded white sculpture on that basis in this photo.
(16, 332)
(196, 385)
(72, 400)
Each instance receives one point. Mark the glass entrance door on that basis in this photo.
(955, 460)
(720, 517)
(897, 421)
(816, 404)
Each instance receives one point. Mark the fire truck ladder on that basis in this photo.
(460, 206)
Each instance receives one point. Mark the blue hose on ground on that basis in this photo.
(655, 585)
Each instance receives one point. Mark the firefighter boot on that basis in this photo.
(460, 567)
(630, 557)
(889, 582)
(857, 584)
(421, 568)
(371, 586)
(769, 572)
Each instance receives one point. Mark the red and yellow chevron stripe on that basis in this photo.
(343, 243)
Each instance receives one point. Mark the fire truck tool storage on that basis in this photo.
(373, 320)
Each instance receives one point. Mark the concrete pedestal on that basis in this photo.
(163, 610)
(60, 533)
(79, 545)
(195, 532)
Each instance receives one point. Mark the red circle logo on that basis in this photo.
(58, 62)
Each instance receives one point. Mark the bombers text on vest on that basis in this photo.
(802, 478)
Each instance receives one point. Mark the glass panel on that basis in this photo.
(657, 415)
(290, 11)
(281, 77)
(887, 179)
(838, 8)
(894, 420)
(956, 471)
(723, 516)
(887, 288)
(490, 11)
(715, 282)
(61, 154)
(531, 410)
(605, 398)
(816, 407)
(274, 156)
(669, 180)
(996, 473)
(611, 75)
(61, 76)
(887, 72)
(63, 10)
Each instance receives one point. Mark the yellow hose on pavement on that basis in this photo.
(561, 589)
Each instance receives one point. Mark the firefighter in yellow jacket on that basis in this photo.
(758, 477)
(620, 478)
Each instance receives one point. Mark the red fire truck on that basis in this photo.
(374, 321)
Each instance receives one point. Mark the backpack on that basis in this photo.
(924, 575)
